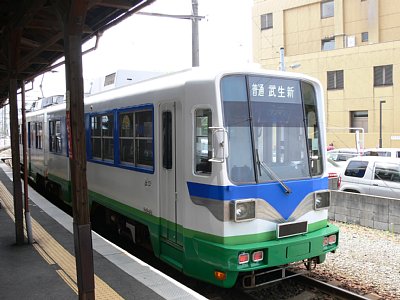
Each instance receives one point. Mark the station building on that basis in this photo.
(352, 47)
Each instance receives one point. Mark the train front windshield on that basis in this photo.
(273, 129)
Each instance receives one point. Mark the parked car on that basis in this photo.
(334, 170)
(388, 152)
(373, 175)
(342, 154)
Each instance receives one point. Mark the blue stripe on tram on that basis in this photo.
(272, 193)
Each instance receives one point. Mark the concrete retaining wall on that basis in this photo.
(370, 211)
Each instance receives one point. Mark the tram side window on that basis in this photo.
(55, 144)
(313, 130)
(107, 130)
(58, 137)
(126, 138)
(20, 134)
(96, 136)
(30, 134)
(144, 137)
(167, 139)
(136, 137)
(202, 152)
(102, 134)
(37, 134)
(52, 146)
(40, 135)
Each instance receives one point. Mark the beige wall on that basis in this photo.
(298, 27)
(389, 20)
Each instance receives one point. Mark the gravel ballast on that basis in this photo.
(367, 261)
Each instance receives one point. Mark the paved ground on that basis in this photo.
(46, 269)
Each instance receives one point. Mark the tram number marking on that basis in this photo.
(147, 182)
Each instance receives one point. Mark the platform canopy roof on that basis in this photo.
(40, 41)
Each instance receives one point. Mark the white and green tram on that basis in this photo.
(222, 172)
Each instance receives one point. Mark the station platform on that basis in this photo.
(46, 269)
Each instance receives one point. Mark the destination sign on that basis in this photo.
(274, 90)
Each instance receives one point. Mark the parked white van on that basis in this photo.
(387, 152)
(373, 175)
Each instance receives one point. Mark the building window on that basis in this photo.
(383, 75)
(202, 141)
(136, 137)
(364, 37)
(102, 128)
(359, 119)
(328, 44)
(327, 9)
(335, 80)
(266, 21)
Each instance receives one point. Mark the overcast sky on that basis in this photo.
(164, 44)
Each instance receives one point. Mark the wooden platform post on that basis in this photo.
(17, 186)
(73, 21)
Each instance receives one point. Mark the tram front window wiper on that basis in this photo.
(271, 173)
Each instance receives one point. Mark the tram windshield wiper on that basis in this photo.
(271, 173)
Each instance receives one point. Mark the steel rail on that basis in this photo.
(330, 289)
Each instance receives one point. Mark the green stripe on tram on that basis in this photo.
(182, 232)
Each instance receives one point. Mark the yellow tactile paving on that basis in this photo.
(68, 280)
(44, 254)
(53, 252)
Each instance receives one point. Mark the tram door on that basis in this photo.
(168, 188)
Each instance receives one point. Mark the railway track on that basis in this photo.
(330, 289)
(304, 287)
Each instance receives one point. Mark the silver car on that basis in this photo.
(342, 154)
(388, 152)
(373, 175)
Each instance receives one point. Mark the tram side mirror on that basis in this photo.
(219, 144)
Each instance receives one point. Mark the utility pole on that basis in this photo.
(195, 34)
(194, 17)
(380, 122)
(282, 59)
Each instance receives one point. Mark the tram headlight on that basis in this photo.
(244, 210)
(322, 200)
